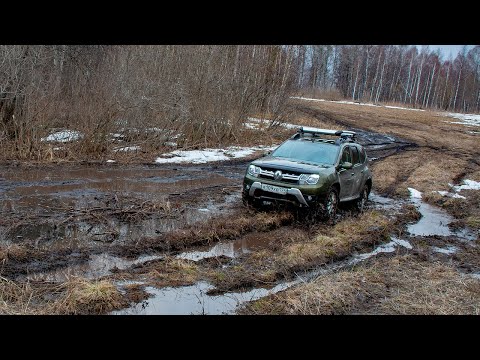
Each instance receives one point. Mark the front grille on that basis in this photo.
(290, 177)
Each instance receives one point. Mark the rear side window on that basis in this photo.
(362, 155)
(355, 156)
(346, 155)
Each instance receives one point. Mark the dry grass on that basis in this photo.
(75, 296)
(424, 170)
(473, 221)
(426, 128)
(400, 285)
(303, 252)
(16, 298)
(15, 252)
(81, 296)
(335, 243)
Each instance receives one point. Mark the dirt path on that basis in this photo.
(170, 239)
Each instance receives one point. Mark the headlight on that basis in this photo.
(254, 170)
(308, 179)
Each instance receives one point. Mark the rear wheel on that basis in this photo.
(361, 202)
(331, 204)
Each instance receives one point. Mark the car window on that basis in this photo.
(355, 156)
(362, 155)
(346, 157)
(317, 153)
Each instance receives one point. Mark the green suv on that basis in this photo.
(315, 169)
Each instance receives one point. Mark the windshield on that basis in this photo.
(307, 151)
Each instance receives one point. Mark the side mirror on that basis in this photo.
(346, 165)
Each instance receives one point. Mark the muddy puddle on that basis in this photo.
(98, 265)
(434, 221)
(232, 249)
(41, 206)
(194, 300)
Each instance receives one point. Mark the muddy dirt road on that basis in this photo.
(175, 239)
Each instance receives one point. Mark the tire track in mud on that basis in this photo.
(41, 230)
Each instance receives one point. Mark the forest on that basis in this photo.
(206, 92)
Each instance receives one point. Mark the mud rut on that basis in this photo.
(97, 221)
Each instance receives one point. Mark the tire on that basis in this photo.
(310, 215)
(330, 204)
(361, 202)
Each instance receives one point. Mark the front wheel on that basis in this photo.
(331, 204)
(361, 202)
(250, 202)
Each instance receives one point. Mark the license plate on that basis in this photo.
(274, 189)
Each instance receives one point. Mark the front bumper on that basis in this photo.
(293, 192)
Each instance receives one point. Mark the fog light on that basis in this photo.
(247, 187)
(309, 198)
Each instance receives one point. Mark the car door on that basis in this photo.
(345, 175)
(357, 171)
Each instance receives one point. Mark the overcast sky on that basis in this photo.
(447, 50)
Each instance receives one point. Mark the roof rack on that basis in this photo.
(344, 135)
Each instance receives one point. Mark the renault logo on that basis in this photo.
(278, 175)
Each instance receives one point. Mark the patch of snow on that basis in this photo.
(127, 148)
(467, 185)
(402, 108)
(403, 243)
(415, 194)
(254, 123)
(448, 250)
(171, 144)
(209, 155)
(252, 126)
(465, 119)
(355, 103)
(452, 195)
(111, 161)
(63, 136)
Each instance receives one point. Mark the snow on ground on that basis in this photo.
(63, 136)
(356, 103)
(452, 195)
(465, 119)
(448, 250)
(254, 123)
(415, 194)
(467, 185)
(127, 148)
(111, 161)
(209, 155)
